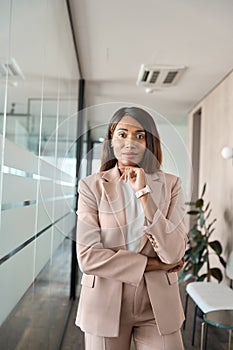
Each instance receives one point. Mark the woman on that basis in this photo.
(130, 242)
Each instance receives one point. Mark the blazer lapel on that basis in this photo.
(115, 197)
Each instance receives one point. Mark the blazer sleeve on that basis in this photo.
(93, 258)
(167, 233)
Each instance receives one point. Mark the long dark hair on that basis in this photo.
(153, 155)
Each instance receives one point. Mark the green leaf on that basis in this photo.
(186, 266)
(195, 232)
(202, 277)
(193, 212)
(197, 268)
(199, 203)
(197, 251)
(202, 220)
(206, 256)
(216, 273)
(222, 261)
(216, 246)
(203, 190)
(187, 253)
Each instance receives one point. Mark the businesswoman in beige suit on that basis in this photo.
(130, 242)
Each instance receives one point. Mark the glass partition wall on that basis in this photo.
(38, 127)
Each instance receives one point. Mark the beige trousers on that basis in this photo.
(137, 322)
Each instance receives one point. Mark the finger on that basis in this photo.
(168, 267)
(176, 268)
(127, 174)
(124, 175)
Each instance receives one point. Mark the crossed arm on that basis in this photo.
(124, 265)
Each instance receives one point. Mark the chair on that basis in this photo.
(210, 296)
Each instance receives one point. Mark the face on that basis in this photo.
(129, 142)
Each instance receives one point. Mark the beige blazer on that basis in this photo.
(105, 262)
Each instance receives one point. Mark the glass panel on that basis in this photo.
(39, 102)
(5, 27)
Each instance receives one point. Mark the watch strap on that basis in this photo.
(143, 191)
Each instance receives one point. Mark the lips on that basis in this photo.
(129, 154)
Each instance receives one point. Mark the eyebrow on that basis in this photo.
(128, 130)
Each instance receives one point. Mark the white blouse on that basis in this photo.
(134, 218)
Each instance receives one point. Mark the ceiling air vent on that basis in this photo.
(159, 76)
(11, 69)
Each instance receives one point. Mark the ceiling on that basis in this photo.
(114, 38)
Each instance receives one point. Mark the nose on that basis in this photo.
(129, 143)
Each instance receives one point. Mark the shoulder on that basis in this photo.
(172, 182)
(173, 179)
(92, 183)
(89, 182)
(169, 178)
(90, 178)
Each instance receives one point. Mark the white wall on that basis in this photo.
(175, 150)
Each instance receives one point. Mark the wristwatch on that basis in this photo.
(143, 191)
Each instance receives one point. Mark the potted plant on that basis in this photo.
(197, 263)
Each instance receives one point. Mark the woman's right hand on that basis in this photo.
(154, 264)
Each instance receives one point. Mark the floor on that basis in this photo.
(45, 311)
(38, 320)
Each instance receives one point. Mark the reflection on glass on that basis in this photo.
(38, 104)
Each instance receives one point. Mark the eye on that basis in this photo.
(122, 135)
(140, 136)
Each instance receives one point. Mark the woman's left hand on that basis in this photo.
(135, 176)
(178, 267)
(154, 264)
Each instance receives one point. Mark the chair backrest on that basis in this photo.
(229, 267)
